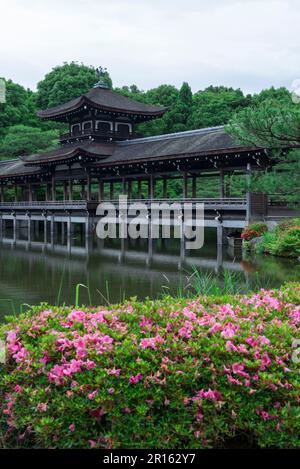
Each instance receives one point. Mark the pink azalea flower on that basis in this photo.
(230, 347)
(42, 407)
(238, 369)
(215, 328)
(113, 372)
(92, 395)
(135, 379)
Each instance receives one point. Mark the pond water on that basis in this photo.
(32, 273)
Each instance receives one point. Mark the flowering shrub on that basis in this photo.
(254, 230)
(162, 374)
(284, 241)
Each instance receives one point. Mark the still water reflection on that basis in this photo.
(31, 273)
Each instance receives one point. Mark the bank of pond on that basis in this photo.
(281, 239)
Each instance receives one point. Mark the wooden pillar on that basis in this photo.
(29, 229)
(139, 189)
(220, 234)
(222, 184)
(30, 195)
(48, 192)
(185, 186)
(15, 228)
(194, 186)
(70, 189)
(249, 172)
(45, 230)
(111, 190)
(88, 187)
(33, 192)
(1, 193)
(53, 188)
(151, 187)
(123, 186)
(52, 227)
(129, 191)
(65, 190)
(165, 188)
(16, 194)
(100, 190)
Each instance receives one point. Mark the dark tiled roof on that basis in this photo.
(106, 99)
(200, 142)
(97, 150)
(16, 167)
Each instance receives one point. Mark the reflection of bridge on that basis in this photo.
(149, 257)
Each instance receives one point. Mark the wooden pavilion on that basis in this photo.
(101, 147)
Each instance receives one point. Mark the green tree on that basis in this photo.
(163, 95)
(273, 124)
(19, 107)
(178, 118)
(216, 106)
(68, 81)
(24, 140)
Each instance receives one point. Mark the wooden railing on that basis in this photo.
(209, 203)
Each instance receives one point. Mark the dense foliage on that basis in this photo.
(283, 241)
(67, 82)
(24, 140)
(20, 108)
(253, 231)
(159, 374)
(273, 123)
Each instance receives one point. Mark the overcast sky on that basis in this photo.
(251, 44)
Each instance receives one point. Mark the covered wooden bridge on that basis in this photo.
(100, 158)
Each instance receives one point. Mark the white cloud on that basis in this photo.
(246, 43)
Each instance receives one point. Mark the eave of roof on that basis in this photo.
(16, 168)
(106, 100)
(67, 152)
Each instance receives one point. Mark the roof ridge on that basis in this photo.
(186, 133)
